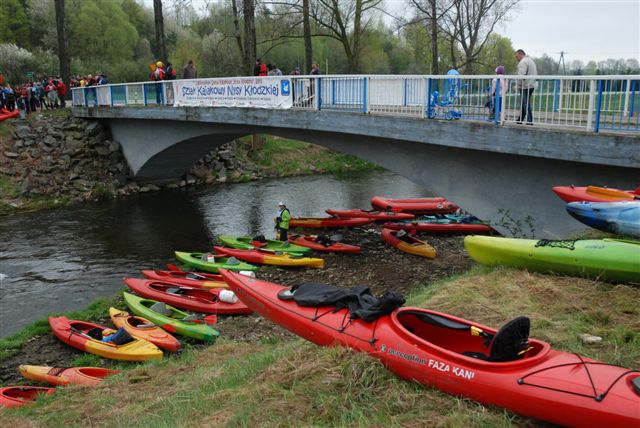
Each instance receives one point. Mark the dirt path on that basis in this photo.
(380, 267)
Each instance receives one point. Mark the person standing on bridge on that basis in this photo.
(526, 67)
(157, 75)
(189, 71)
(282, 222)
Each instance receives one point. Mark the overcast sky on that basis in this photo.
(583, 29)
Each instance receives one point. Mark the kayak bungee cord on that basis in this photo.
(585, 364)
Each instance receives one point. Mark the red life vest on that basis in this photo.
(263, 70)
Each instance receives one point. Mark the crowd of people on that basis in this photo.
(32, 96)
(51, 92)
(262, 69)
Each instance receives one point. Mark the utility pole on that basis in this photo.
(561, 60)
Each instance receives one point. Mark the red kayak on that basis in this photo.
(372, 214)
(328, 222)
(440, 350)
(190, 279)
(6, 114)
(189, 298)
(326, 245)
(448, 223)
(595, 194)
(414, 206)
(16, 396)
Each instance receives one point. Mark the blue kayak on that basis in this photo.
(622, 218)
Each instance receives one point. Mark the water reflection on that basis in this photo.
(62, 260)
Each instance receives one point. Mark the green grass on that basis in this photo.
(295, 383)
(286, 157)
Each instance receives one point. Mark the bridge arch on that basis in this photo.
(488, 172)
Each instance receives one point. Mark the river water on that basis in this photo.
(61, 260)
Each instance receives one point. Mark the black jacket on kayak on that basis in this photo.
(359, 300)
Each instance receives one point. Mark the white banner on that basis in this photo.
(259, 92)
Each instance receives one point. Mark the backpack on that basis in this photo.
(171, 73)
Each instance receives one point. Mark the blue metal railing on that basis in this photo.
(584, 102)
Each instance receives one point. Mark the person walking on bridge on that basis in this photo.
(526, 67)
(282, 222)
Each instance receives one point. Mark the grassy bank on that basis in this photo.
(294, 383)
(285, 157)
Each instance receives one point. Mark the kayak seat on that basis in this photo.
(95, 333)
(509, 344)
(174, 290)
(636, 385)
(161, 308)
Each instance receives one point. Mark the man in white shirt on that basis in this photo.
(526, 67)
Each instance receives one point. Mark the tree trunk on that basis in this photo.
(238, 36)
(308, 47)
(357, 37)
(434, 38)
(63, 46)
(249, 12)
(161, 47)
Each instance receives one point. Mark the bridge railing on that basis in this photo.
(590, 103)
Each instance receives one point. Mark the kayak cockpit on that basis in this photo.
(474, 343)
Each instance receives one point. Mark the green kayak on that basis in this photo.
(247, 243)
(608, 259)
(162, 314)
(200, 261)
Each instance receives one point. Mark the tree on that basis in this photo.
(308, 45)
(469, 23)
(346, 21)
(63, 45)
(161, 48)
(14, 60)
(497, 51)
(432, 12)
(14, 25)
(105, 35)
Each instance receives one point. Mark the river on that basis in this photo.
(61, 260)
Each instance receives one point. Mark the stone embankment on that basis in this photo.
(60, 157)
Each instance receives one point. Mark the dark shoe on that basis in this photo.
(530, 123)
(519, 122)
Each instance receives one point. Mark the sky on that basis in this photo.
(583, 29)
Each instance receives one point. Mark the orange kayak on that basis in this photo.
(86, 376)
(142, 328)
(407, 243)
(270, 257)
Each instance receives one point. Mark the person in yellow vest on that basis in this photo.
(282, 222)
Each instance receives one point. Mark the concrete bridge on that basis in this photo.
(483, 168)
(503, 174)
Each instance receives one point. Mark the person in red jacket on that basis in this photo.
(62, 91)
(260, 69)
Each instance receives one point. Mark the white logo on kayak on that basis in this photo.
(446, 368)
(440, 366)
